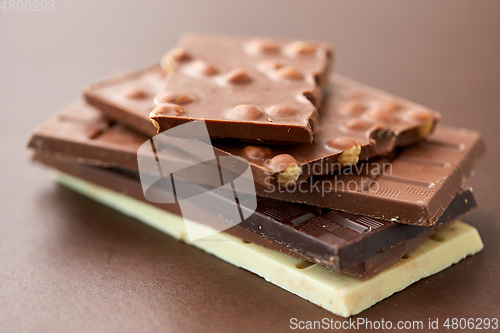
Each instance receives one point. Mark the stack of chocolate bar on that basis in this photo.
(331, 189)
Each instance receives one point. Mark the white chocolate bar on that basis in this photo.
(338, 293)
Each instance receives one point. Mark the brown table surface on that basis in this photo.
(69, 264)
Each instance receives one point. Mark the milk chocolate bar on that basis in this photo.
(357, 122)
(355, 245)
(246, 88)
(414, 186)
(335, 292)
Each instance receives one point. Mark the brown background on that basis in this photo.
(68, 264)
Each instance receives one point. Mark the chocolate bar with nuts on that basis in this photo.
(357, 122)
(246, 88)
(354, 245)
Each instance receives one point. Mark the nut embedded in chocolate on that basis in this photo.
(301, 48)
(289, 176)
(202, 68)
(287, 168)
(174, 97)
(351, 150)
(135, 93)
(166, 109)
(424, 116)
(155, 124)
(349, 156)
(393, 105)
(426, 129)
(256, 152)
(244, 112)
(421, 115)
(280, 162)
(353, 107)
(381, 115)
(281, 111)
(269, 65)
(289, 73)
(175, 55)
(262, 46)
(238, 75)
(357, 124)
(179, 54)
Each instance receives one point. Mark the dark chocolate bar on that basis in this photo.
(357, 122)
(414, 186)
(351, 244)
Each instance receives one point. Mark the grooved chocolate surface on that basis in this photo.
(353, 115)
